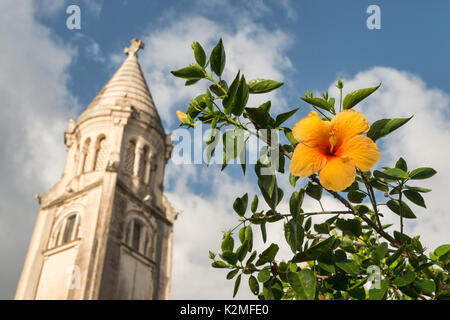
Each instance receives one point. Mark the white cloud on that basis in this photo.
(253, 49)
(422, 141)
(34, 115)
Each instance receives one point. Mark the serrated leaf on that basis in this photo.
(353, 98)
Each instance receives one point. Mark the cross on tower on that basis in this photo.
(136, 44)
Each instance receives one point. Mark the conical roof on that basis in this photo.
(127, 87)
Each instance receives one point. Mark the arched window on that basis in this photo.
(101, 154)
(68, 230)
(143, 162)
(137, 237)
(129, 157)
(84, 156)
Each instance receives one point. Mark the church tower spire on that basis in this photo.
(104, 231)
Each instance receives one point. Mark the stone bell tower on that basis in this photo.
(105, 230)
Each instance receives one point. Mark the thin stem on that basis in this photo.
(306, 214)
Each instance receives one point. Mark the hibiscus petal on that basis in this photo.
(306, 160)
(347, 124)
(361, 150)
(338, 174)
(312, 130)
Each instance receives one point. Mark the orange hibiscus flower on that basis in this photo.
(333, 148)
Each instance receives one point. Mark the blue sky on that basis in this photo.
(50, 74)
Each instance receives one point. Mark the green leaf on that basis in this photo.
(232, 273)
(229, 257)
(441, 250)
(295, 202)
(391, 173)
(303, 283)
(251, 258)
(268, 255)
(249, 237)
(193, 71)
(264, 275)
(199, 53)
(353, 98)
(378, 294)
(281, 118)
(241, 98)
(404, 280)
(314, 191)
(263, 232)
(190, 82)
(427, 286)
(218, 58)
(236, 285)
(254, 204)
(401, 164)
(356, 196)
(241, 252)
(391, 259)
(383, 127)
(293, 180)
(260, 116)
(218, 91)
(231, 95)
(254, 285)
(318, 102)
(219, 264)
(422, 173)
(415, 197)
(240, 205)
(227, 242)
(351, 227)
(348, 266)
(290, 233)
(394, 205)
(263, 85)
(318, 251)
(327, 267)
(212, 255)
(418, 189)
(380, 252)
(242, 234)
(323, 228)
